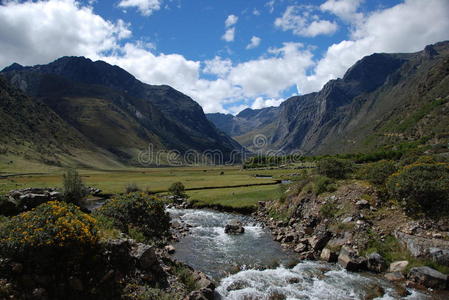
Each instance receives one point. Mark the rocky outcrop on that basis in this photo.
(350, 260)
(436, 249)
(428, 277)
(376, 263)
(26, 199)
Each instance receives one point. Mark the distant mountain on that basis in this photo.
(383, 99)
(113, 111)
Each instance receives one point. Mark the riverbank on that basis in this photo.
(355, 229)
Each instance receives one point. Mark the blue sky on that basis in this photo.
(226, 54)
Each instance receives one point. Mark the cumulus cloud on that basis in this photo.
(344, 9)
(255, 42)
(406, 27)
(231, 20)
(262, 103)
(36, 32)
(217, 66)
(273, 74)
(301, 22)
(229, 35)
(145, 7)
(39, 32)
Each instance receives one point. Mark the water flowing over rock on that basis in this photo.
(234, 227)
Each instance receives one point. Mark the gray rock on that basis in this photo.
(376, 263)
(170, 249)
(349, 259)
(398, 266)
(428, 277)
(431, 248)
(145, 256)
(318, 241)
(234, 227)
(362, 204)
(328, 255)
(394, 276)
(301, 247)
(347, 220)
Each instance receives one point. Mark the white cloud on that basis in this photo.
(231, 20)
(301, 22)
(217, 66)
(145, 7)
(39, 32)
(262, 103)
(255, 42)
(229, 35)
(406, 27)
(256, 12)
(344, 9)
(271, 75)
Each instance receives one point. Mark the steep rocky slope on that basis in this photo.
(115, 111)
(383, 99)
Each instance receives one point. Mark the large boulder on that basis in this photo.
(319, 240)
(234, 227)
(328, 255)
(350, 260)
(426, 247)
(376, 263)
(428, 278)
(145, 256)
(398, 266)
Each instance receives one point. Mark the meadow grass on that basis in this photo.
(235, 197)
(151, 179)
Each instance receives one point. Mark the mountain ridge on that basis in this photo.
(117, 112)
(335, 118)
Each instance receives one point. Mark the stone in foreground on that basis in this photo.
(428, 277)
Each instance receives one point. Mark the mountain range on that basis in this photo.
(101, 111)
(75, 111)
(383, 99)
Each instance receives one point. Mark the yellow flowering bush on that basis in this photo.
(422, 188)
(50, 226)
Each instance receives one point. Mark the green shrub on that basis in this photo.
(329, 210)
(54, 228)
(378, 172)
(422, 188)
(334, 168)
(131, 188)
(177, 189)
(323, 184)
(138, 212)
(73, 187)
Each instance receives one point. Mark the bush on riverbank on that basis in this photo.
(136, 213)
(377, 173)
(178, 189)
(334, 168)
(53, 226)
(422, 188)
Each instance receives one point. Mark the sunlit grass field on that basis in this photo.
(236, 197)
(155, 179)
